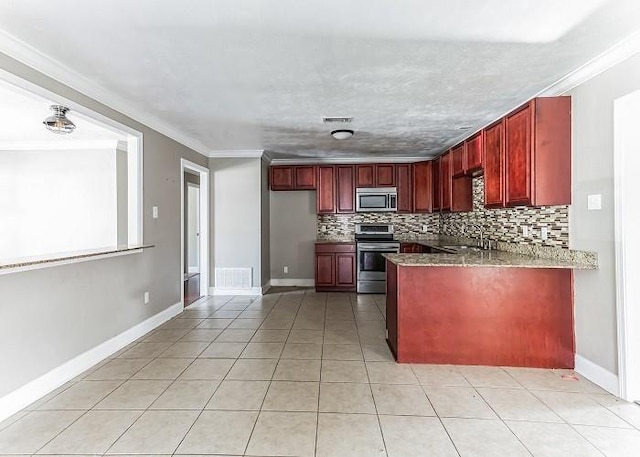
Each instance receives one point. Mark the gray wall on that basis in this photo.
(595, 307)
(236, 215)
(293, 234)
(49, 316)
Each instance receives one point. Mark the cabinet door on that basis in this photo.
(365, 175)
(436, 185)
(473, 153)
(422, 187)
(518, 157)
(494, 165)
(325, 270)
(281, 177)
(445, 181)
(305, 177)
(345, 189)
(405, 188)
(385, 175)
(461, 194)
(345, 270)
(326, 193)
(458, 160)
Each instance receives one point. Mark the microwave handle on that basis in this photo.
(392, 202)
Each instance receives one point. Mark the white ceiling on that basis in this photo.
(261, 74)
(21, 119)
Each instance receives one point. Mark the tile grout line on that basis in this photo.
(324, 329)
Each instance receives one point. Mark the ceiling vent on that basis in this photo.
(337, 120)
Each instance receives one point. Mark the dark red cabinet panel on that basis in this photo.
(326, 192)
(494, 165)
(423, 187)
(335, 267)
(473, 154)
(436, 184)
(345, 189)
(445, 181)
(461, 194)
(458, 162)
(375, 175)
(305, 177)
(365, 175)
(281, 178)
(404, 184)
(518, 165)
(385, 175)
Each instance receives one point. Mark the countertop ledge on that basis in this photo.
(336, 241)
(483, 259)
(14, 264)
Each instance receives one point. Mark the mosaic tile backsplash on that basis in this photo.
(504, 225)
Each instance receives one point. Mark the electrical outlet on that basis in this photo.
(525, 230)
(323, 228)
(594, 202)
(155, 212)
(286, 269)
(146, 298)
(425, 228)
(544, 233)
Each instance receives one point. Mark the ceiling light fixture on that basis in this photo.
(58, 123)
(342, 134)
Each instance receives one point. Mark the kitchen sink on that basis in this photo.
(463, 247)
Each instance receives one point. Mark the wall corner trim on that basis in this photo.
(254, 291)
(38, 388)
(293, 282)
(596, 374)
(599, 64)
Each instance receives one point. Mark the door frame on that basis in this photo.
(203, 173)
(627, 245)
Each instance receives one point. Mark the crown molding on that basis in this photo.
(347, 160)
(65, 145)
(30, 56)
(235, 154)
(614, 55)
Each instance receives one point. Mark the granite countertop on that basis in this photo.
(336, 241)
(482, 259)
(62, 257)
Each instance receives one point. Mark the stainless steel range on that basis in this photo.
(372, 241)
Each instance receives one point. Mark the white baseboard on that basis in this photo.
(266, 287)
(598, 375)
(293, 282)
(221, 291)
(38, 388)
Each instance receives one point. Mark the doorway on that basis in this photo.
(194, 231)
(627, 227)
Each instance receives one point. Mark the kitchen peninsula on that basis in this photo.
(481, 308)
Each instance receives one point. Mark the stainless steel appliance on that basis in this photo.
(376, 199)
(372, 241)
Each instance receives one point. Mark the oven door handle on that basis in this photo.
(377, 247)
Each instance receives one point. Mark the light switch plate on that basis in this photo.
(525, 230)
(594, 202)
(155, 212)
(544, 233)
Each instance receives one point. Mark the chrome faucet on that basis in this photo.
(482, 243)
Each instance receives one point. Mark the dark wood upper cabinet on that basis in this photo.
(385, 175)
(473, 154)
(494, 165)
(281, 178)
(445, 181)
(365, 175)
(292, 177)
(538, 153)
(305, 177)
(345, 189)
(461, 194)
(422, 187)
(404, 182)
(436, 185)
(326, 191)
(375, 175)
(458, 161)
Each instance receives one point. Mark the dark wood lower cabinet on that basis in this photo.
(335, 267)
(518, 317)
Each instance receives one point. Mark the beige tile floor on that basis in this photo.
(306, 374)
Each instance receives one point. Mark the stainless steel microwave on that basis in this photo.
(376, 199)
